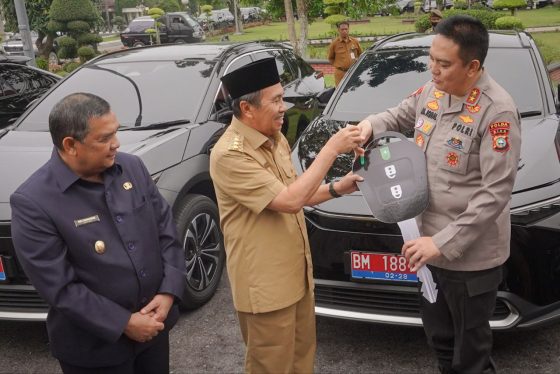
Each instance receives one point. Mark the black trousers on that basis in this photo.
(457, 324)
(151, 360)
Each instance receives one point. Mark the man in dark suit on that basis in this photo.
(98, 242)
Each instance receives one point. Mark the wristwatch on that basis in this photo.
(332, 191)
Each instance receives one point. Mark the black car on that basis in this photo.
(20, 85)
(342, 228)
(178, 27)
(172, 108)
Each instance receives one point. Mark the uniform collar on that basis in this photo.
(66, 177)
(481, 85)
(340, 39)
(253, 137)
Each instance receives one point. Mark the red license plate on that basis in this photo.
(2, 273)
(381, 266)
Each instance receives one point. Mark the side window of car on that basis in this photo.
(287, 75)
(292, 60)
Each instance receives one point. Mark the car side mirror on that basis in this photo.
(325, 96)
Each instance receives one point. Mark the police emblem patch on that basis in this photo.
(466, 119)
(433, 105)
(427, 127)
(438, 94)
(452, 159)
(473, 108)
(419, 123)
(500, 135)
(455, 142)
(419, 140)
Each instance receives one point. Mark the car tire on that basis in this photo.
(137, 44)
(202, 240)
(53, 58)
(180, 41)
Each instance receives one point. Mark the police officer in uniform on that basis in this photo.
(343, 51)
(469, 129)
(97, 241)
(260, 201)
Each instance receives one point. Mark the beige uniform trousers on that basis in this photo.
(338, 75)
(281, 341)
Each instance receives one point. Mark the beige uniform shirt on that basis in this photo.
(472, 147)
(268, 257)
(344, 52)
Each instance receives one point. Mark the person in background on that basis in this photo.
(343, 51)
(435, 17)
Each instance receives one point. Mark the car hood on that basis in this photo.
(23, 152)
(537, 176)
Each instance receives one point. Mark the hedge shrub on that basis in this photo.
(71, 66)
(335, 18)
(78, 26)
(509, 23)
(86, 53)
(42, 63)
(69, 10)
(487, 17)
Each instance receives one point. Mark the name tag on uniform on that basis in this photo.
(352, 56)
(86, 221)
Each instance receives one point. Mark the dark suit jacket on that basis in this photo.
(57, 219)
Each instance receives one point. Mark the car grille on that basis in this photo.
(21, 298)
(13, 49)
(388, 300)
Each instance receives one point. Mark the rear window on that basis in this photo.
(383, 79)
(140, 25)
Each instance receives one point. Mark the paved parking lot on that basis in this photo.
(208, 341)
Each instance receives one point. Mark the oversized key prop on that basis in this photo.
(395, 188)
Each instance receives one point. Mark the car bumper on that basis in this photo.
(400, 305)
(21, 303)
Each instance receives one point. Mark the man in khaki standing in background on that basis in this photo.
(260, 201)
(343, 51)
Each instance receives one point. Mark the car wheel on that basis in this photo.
(200, 235)
(137, 44)
(53, 58)
(180, 41)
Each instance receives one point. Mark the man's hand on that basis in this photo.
(419, 251)
(366, 131)
(345, 140)
(347, 184)
(142, 327)
(159, 307)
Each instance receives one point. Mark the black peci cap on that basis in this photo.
(251, 77)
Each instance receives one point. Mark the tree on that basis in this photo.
(38, 14)
(74, 18)
(512, 5)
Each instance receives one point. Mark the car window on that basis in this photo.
(141, 25)
(140, 93)
(286, 74)
(385, 78)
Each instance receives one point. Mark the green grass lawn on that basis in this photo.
(547, 16)
(549, 45)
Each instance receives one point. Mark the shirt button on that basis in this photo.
(131, 246)
(142, 273)
(119, 219)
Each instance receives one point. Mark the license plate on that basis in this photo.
(381, 266)
(2, 273)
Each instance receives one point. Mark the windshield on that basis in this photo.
(140, 93)
(383, 79)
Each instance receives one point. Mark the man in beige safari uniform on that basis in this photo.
(469, 129)
(343, 51)
(260, 202)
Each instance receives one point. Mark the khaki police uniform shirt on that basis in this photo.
(472, 147)
(344, 52)
(268, 257)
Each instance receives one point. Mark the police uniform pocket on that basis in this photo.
(456, 152)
